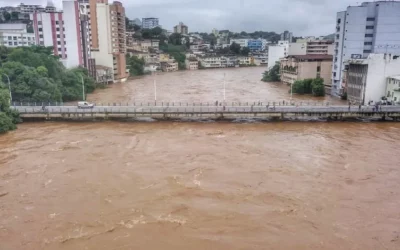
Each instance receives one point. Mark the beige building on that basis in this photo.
(181, 29)
(192, 63)
(320, 47)
(169, 66)
(301, 67)
(109, 44)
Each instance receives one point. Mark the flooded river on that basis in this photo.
(179, 186)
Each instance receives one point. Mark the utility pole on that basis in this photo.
(83, 89)
(9, 87)
(155, 86)
(224, 88)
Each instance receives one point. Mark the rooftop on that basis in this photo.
(312, 57)
(395, 77)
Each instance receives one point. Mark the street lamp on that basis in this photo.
(9, 86)
(224, 87)
(83, 89)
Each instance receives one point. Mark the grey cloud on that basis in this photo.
(302, 17)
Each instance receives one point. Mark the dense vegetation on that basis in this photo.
(177, 52)
(272, 75)
(309, 86)
(38, 76)
(135, 65)
(8, 117)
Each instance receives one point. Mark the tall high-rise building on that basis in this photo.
(181, 29)
(109, 44)
(150, 22)
(372, 27)
(287, 36)
(77, 33)
(49, 30)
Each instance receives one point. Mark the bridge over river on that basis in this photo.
(269, 111)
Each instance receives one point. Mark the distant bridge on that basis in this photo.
(261, 111)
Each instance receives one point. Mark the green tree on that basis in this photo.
(38, 76)
(136, 27)
(7, 16)
(8, 117)
(175, 39)
(235, 48)
(135, 65)
(272, 75)
(318, 88)
(14, 15)
(245, 51)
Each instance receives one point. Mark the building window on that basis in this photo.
(40, 36)
(41, 43)
(40, 29)
(39, 22)
(369, 27)
(370, 18)
(59, 43)
(58, 29)
(369, 35)
(367, 43)
(10, 38)
(367, 51)
(9, 43)
(59, 49)
(56, 22)
(318, 68)
(15, 43)
(14, 38)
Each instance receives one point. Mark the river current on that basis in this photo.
(212, 185)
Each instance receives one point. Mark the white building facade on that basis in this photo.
(276, 52)
(50, 31)
(150, 23)
(367, 78)
(393, 89)
(241, 42)
(372, 27)
(15, 35)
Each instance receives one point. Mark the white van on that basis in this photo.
(85, 105)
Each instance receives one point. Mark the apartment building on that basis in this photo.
(246, 60)
(15, 35)
(49, 29)
(276, 52)
(300, 67)
(109, 44)
(243, 42)
(257, 44)
(30, 8)
(192, 63)
(150, 23)
(320, 47)
(371, 27)
(169, 66)
(181, 29)
(287, 36)
(367, 78)
(393, 89)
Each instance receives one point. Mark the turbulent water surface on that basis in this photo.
(173, 185)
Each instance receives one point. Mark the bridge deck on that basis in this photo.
(123, 112)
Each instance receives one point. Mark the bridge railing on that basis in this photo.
(179, 104)
(204, 109)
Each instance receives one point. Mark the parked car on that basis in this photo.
(85, 105)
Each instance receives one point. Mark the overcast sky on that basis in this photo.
(302, 17)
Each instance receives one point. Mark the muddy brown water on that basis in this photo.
(174, 185)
